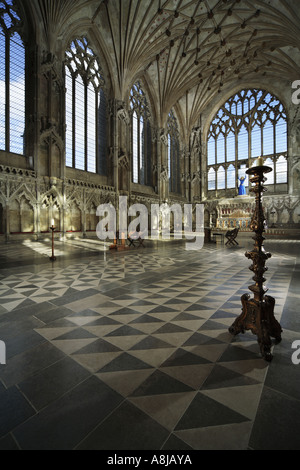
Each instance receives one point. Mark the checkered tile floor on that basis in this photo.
(132, 351)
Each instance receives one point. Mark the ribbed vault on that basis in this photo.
(180, 46)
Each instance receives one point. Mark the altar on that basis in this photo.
(235, 212)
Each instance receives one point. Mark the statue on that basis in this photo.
(242, 189)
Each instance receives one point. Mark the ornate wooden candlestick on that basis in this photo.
(52, 258)
(258, 313)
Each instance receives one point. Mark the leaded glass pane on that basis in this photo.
(135, 148)
(281, 170)
(221, 178)
(211, 180)
(231, 178)
(256, 142)
(211, 152)
(269, 176)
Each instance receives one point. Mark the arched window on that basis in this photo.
(221, 178)
(141, 137)
(281, 170)
(173, 154)
(211, 179)
(85, 109)
(231, 177)
(251, 124)
(12, 79)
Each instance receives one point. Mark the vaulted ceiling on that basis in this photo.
(194, 48)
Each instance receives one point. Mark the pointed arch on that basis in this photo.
(253, 123)
(85, 109)
(141, 133)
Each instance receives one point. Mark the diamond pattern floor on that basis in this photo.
(132, 351)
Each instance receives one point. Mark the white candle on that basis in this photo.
(260, 161)
(52, 223)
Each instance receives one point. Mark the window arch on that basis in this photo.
(12, 79)
(173, 154)
(231, 178)
(85, 109)
(251, 124)
(141, 137)
(211, 179)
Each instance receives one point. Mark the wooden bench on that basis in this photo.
(231, 236)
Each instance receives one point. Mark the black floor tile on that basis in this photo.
(221, 377)
(184, 358)
(127, 428)
(14, 410)
(8, 443)
(28, 363)
(277, 423)
(98, 346)
(174, 443)
(205, 412)
(159, 383)
(53, 382)
(125, 362)
(65, 423)
(21, 343)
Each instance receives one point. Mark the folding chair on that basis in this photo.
(231, 237)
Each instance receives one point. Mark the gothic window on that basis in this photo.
(211, 179)
(281, 167)
(221, 178)
(253, 123)
(173, 154)
(270, 176)
(12, 79)
(141, 137)
(85, 109)
(231, 177)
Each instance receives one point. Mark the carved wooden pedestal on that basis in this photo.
(258, 313)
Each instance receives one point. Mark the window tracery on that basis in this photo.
(85, 109)
(250, 124)
(141, 136)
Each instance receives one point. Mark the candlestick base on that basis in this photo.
(258, 313)
(52, 258)
(259, 318)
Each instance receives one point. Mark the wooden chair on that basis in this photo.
(131, 242)
(231, 237)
